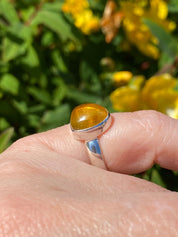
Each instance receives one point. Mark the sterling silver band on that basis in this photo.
(90, 136)
(95, 153)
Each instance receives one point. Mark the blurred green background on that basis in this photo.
(57, 54)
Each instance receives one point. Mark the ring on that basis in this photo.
(88, 122)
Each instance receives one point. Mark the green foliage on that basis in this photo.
(167, 43)
(173, 6)
(4, 138)
(47, 66)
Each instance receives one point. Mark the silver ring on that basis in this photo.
(88, 122)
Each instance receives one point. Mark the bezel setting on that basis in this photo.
(92, 132)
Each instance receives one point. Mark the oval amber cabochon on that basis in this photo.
(87, 115)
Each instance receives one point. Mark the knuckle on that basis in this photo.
(26, 144)
(152, 121)
(23, 143)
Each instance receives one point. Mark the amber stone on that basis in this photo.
(87, 115)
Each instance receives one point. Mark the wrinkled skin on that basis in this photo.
(49, 189)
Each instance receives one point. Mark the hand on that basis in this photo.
(48, 189)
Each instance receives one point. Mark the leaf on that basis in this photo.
(89, 76)
(59, 61)
(165, 60)
(8, 11)
(55, 118)
(4, 124)
(20, 106)
(47, 39)
(33, 120)
(4, 138)
(55, 22)
(12, 49)
(27, 13)
(31, 58)
(59, 92)
(82, 97)
(166, 42)
(53, 6)
(15, 44)
(40, 95)
(10, 84)
(36, 108)
(173, 6)
(4, 67)
(156, 178)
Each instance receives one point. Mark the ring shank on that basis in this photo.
(95, 154)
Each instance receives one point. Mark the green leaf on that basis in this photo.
(4, 138)
(165, 60)
(82, 97)
(36, 108)
(15, 44)
(59, 61)
(40, 95)
(47, 39)
(33, 120)
(89, 75)
(4, 67)
(166, 42)
(55, 22)
(156, 178)
(4, 124)
(27, 13)
(55, 118)
(59, 92)
(10, 84)
(173, 6)
(8, 11)
(53, 6)
(31, 58)
(21, 106)
(175, 173)
(12, 49)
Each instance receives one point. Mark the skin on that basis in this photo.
(49, 189)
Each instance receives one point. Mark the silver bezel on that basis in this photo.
(92, 132)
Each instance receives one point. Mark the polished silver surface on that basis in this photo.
(89, 134)
(95, 154)
(94, 147)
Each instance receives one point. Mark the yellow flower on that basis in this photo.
(173, 112)
(75, 7)
(136, 31)
(160, 8)
(121, 77)
(82, 15)
(87, 22)
(149, 50)
(125, 99)
(137, 82)
(159, 94)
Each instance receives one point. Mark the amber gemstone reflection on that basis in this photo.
(87, 115)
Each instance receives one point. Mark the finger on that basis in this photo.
(133, 144)
(140, 139)
(39, 165)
